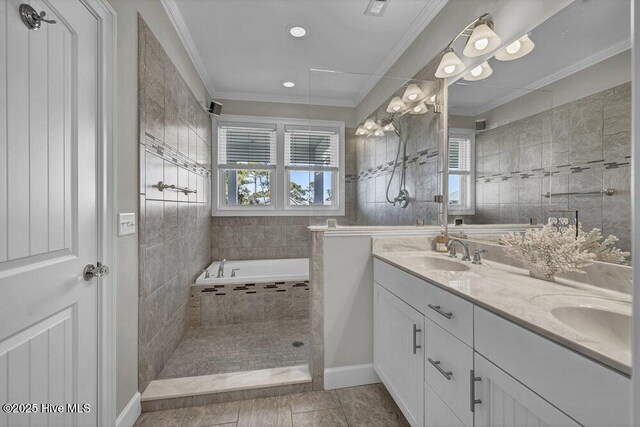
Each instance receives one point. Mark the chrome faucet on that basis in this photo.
(221, 268)
(465, 249)
(476, 256)
(206, 273)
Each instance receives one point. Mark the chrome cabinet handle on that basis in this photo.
(436, 364)
(439, 310)
(415, 339)
(472, 387)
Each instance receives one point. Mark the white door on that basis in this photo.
(504, 402)
(48, 221)
(398, 356)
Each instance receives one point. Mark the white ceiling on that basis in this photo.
(244, 51)
(584, 33)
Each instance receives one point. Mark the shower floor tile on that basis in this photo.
(236, 348)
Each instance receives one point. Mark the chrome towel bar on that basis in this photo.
(161, 185)
(608, 192)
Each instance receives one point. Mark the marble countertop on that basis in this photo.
(511, 293)
(452, 228)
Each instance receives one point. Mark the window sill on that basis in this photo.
(278, 212)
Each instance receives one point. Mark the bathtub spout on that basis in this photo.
(221, 268)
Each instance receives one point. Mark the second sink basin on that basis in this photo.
(597, 323)
(436, 263)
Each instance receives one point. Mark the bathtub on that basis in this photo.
(258, 271)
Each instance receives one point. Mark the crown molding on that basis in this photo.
(290, 99)
(181, 28)
(426, 15)
(552, 78)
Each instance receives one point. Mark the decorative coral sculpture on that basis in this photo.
(604, 249)
(548, 251)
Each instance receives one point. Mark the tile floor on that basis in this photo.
(369, 405)
(242, 347)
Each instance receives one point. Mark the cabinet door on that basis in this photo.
(503, 401)
(398, 357)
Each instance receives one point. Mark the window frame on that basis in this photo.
(279, 205)
(469, 134)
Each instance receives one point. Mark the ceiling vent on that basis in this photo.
(376, 7)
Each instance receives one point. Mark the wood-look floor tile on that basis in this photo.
(323, 418)
(269, 411)
(214, 414)
(313, 401)
(170, 418)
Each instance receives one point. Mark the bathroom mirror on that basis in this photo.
(542, 128)
(392, 150)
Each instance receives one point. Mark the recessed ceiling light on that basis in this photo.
(288, 84)
(376, 7)
(297, 31)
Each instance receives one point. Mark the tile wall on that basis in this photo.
(581, 146)
(175, 228)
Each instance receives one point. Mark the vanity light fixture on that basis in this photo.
(361, 131)
(396, 105)
(482, 40)
(288, 84)
(297, 31)
(370, 125)
(421, 108)
(519, 48)
(413, 93)
(480, 72)
(450, 65)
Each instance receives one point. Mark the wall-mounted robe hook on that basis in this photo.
(31, 18)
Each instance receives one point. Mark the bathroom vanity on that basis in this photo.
(458, 344)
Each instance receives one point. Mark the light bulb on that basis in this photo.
(396, 108)
(514, 47)
(413, 96)
(379, 132)
(449, 69)
(417, 108)
(476, 71)
(388, 127)
(481, 44)
(369, 127)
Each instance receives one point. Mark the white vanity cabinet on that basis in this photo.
(398, 351)
(448, 362)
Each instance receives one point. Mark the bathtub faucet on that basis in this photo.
(221, 268)
(206, 273)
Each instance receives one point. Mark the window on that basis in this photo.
(461, 172)
(311, 163)
(272, 166)
(246, 160)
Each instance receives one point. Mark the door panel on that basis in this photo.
(48, 217)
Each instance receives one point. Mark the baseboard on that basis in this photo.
(130, 413)
(350, 376)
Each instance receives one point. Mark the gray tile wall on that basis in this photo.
(374, 160)
(581, 146)
(175, 228)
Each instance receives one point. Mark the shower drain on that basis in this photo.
(297, 344)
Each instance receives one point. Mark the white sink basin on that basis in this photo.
(600, 324)
(436, 263)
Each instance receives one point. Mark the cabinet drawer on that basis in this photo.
(436, 413)
(450, 311)
(448, 364)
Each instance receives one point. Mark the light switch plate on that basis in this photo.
(126, 224)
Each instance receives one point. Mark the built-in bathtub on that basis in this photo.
(257, 271)
(260, 291)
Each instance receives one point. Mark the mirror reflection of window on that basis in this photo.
(461, 171)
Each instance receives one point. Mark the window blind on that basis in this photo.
(243, 143)
(459, 154)
(311, 147)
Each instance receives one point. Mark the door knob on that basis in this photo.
(91, 271)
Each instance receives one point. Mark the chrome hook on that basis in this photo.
(31, 18)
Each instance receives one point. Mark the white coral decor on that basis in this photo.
(548, 251)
